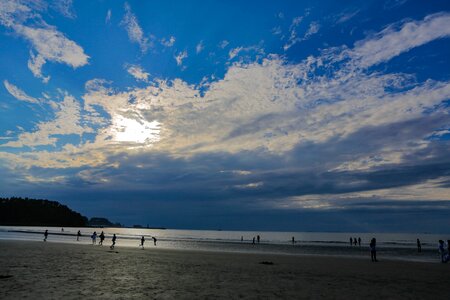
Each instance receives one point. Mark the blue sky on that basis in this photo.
(283, 115)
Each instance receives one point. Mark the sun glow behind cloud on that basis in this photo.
(135, 131)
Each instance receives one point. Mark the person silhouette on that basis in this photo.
(419, 246)
(253, 241)
(154, 240)
(359, 242)
(45, 235)
(373, 250)
(142, 242)
(94, 237)
(242, 238)
(293, 240)
(78, 235)
(113, 241)
(442, 252)
(102, 238)
(351, 241)
(354, 241)
(258, 238)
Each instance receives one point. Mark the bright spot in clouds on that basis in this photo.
(135, 131)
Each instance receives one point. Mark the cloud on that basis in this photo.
(47, 41)
(326, 125)
(344, 17)
(65, 8)
(134, 30)
(51, 45)
(393, 41)
(66, 121)
(180, 57)
(138, 73)
(108, 16)
(19, 94)
(199, 48)
(223, 44)
(168, 43)
(294, 38)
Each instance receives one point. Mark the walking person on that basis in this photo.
(142, 242)
(78, 235)
(359, 241)
(102, 238)
(45, 235)
(154, 240)
(113, 241)
(351, 241)
(419, 246)
(373, 250)
(442, 252)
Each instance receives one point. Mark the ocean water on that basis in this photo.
(401, 246)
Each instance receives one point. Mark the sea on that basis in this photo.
(392, 246)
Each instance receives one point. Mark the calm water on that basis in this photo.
(390, 245)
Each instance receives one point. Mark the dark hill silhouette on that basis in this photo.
(38, 212)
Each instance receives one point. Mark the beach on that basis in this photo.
(38, 270)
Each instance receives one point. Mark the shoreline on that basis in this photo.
(70, 271)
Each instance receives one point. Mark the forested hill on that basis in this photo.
(37, 212)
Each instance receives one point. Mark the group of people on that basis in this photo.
(354, 241)
(102, 238)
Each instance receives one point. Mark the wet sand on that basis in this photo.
(38, 270)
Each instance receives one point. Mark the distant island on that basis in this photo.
(16, 211)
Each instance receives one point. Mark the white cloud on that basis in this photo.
(64, 7)
(19, 94)
(199, 48)
(223, 44)
(180, 57)
(138, 73)
(134, 30)
(51, 45)
(294, 38)
(168, 43)
(48, 42)
(67, 121)
(391, 42)
(108, 16)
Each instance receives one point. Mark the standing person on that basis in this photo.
(45, 235)
(78, 235)
(293, 240)
(354, 241)
(253, 241)
(419, 246)
(142, 242)
(94, 237)
(102, 238)
(373, 250)
(258, 238)
(113, 241)
(154, 240)
(359, 241)
(242, 238)
(351, 242)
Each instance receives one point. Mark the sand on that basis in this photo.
(38, 270)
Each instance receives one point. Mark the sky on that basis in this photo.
(257, 115)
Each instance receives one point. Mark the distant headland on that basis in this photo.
(16, 211)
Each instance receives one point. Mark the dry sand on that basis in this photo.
(38, 270)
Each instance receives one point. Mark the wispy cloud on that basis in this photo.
(137, 72)
(393, 41)
(168, 42)
(49, 43)
(223, 44)
(64, 7)
(134, 30)
(180, 57)
(19, 94)
(199, 48)
(108, 16)
(294, 38)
